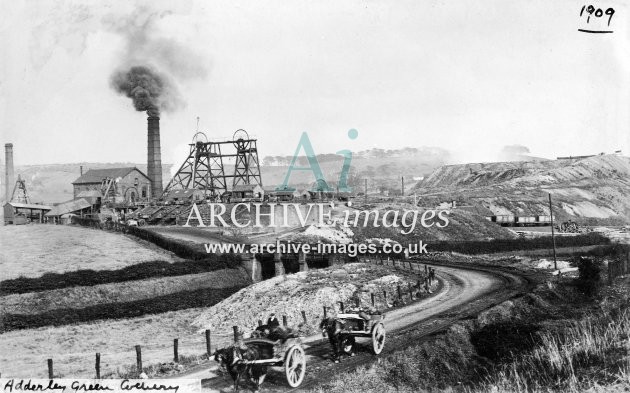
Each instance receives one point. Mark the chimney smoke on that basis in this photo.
(8, 171)
(154, 156)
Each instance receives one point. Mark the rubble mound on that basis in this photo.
(310, 292)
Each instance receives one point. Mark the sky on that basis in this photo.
(469, 76)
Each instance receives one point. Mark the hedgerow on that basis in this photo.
(204, 297)
(503, 245)
(139, 271)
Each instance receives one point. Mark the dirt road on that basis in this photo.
(465, 292)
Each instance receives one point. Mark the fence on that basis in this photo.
(619, 267)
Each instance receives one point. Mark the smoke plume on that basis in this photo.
(514, 153)
(154, 63)
(148, 90)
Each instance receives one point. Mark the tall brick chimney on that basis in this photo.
(154, 156)
(9, 178)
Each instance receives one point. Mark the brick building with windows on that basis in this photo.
(119, 185)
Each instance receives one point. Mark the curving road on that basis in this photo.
(465, 291)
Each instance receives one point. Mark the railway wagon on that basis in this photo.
(505, 220)
(521, 221)
(524, 221)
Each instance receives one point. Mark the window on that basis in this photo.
(144, 191)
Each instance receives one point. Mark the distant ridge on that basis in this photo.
(596, 187)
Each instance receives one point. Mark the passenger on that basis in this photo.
(364, 313)
(261, 331)
(273, 322)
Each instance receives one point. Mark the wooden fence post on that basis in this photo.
(610, 272)
(399, 292)
(175, 350)
(341, 307)
(97, 366)
(50, 369)
(410, 291)
(284, 320)
(372, 297)
(304, 316)
(358, 301)
(139, 359)
(325, 313)
(208, 342)
(385, 297)
(235, 329)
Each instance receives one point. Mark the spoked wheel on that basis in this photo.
(347, 344)
(378, 338)
(295, 366)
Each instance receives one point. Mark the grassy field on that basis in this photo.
(32, 250)
(23, 353)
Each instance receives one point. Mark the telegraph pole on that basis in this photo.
(553, 236)
(365, 190)
(402, 186)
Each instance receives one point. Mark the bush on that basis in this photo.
(501, 342)
(503, 245)
(590, 275)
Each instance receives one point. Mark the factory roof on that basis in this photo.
(285, 192)
(69, 207)
(89, 194)
(97, 175)
(245, 187)
(33, 206)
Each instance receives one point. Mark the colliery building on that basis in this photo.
(118, 185)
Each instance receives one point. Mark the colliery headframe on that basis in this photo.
(204, 168)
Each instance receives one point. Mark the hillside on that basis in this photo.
(52, 183)
(591, 190)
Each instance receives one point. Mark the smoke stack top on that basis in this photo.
(149, 90)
